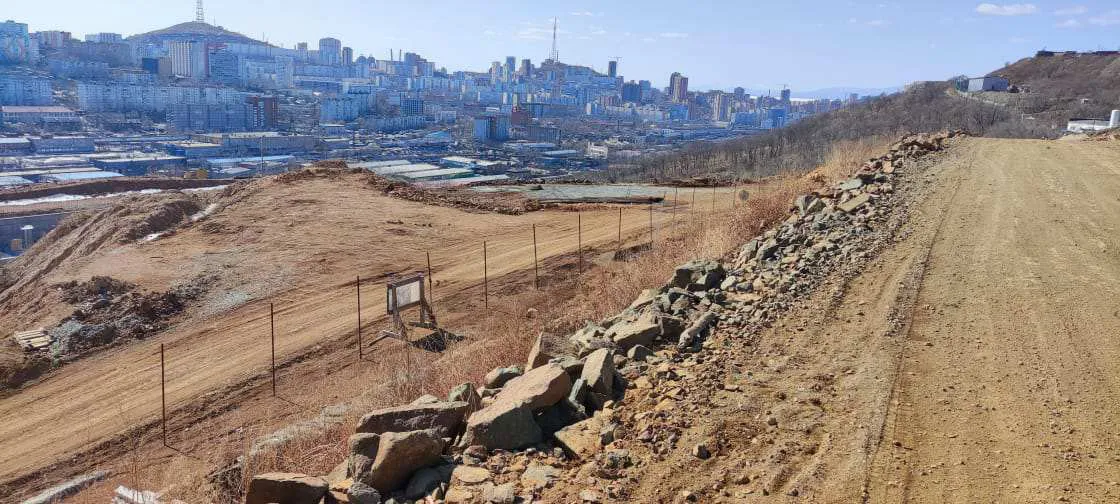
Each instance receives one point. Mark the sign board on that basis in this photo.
(404, 293)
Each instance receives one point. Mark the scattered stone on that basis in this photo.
(470, 475)
(638, 332)
(639, 353)
(499, 494)
(426, 480)
(590, 496)
(854, 203)
(538, 476)
(700, 451)
(581, 439)
(285, 488)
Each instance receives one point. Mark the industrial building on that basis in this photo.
(142, 165)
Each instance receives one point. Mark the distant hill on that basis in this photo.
(843, 92)
(194, 30)
(1064, 85)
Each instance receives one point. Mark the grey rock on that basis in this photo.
(361, 493)
(499, 494)
(424, 481)
(425, 399)
(503, 425)
(637, 332)
(498, 377)
(285, 488)
(445, 416)
(468, 394)
(400, 454)
(598, 372)
(639, 353)
(537, 355)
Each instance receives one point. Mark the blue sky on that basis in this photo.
(806, 44)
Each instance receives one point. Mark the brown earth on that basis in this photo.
(298, 244)
(974, 360)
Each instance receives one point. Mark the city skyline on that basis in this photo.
(804, 45)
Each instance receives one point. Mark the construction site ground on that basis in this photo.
(298, 246)
(975, 360)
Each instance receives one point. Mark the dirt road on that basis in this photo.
(1009, 383)
(975, 359)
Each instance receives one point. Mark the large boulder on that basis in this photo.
(505, 425)
(698, 275)
(285, 488)
(363, 450)
(598, 372)
(399, 454)
(537, 389)
(361, 493)
(581, 439)
(641, 331)
(427, 480)
(447, 417)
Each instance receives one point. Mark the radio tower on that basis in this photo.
(199, 15)
(555, 54)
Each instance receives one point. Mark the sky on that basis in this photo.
(807, 45)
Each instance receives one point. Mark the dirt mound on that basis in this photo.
(107, 309)
(83, 234)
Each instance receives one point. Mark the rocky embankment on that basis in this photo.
(624, 381)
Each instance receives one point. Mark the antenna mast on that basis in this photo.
(555, 54)
(199, 16)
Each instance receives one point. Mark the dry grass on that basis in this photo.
(519, 313)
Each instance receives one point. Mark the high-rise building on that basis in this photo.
(53, 39)
(412, 107)
(612, 68)
(647, 89)
(330, 51)
(785, 97)
(15, 43)
(347, 56)
(632, 92)
(739, 93)
(509, 68)
(678, 88)
(189, 59)
(526, 67)
(721, 106)
(264, 112)
(105, 38)
(24, 90)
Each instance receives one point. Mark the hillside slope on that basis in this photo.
(1054, 87)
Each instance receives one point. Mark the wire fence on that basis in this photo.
(591, 236)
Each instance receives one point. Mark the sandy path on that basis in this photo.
(93, 400)
(1010, 382)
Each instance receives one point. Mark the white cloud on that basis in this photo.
(586, 14)
(537, 33)
(852, 20)
(489, 33)
(1069, 23)
(649, 40)
(1109, 18)
(1006, 9)
(674, 35)
(878, 22)
(1075, 10)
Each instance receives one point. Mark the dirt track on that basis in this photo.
(974, 360)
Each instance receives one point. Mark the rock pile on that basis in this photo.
(560, 416)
